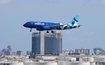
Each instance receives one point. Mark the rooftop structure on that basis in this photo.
(99, 51)
(9, 48)
(83, 51)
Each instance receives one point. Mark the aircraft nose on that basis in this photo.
(24, 25)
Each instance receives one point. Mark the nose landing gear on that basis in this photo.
(30, 29)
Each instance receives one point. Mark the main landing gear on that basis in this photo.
(51, 31)
(47, 32)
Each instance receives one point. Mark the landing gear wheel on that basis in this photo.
(52, 31)
(47, 31)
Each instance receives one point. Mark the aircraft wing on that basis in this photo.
(54, 27)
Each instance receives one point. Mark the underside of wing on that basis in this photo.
(54, 27)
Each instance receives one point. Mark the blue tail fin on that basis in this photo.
(74, 20)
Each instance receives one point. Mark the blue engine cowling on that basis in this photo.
(46, 27)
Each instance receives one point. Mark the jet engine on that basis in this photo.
(46, 27)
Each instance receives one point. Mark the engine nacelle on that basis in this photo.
(46, 27)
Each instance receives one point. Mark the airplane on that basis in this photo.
(42, 26)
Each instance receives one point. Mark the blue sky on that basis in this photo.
(14, 13)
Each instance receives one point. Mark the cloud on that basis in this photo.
(5, 1)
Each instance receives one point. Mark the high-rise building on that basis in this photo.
(28, 52)
(19, 52)
(52, 43)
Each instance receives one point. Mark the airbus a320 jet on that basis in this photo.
(42, 26)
